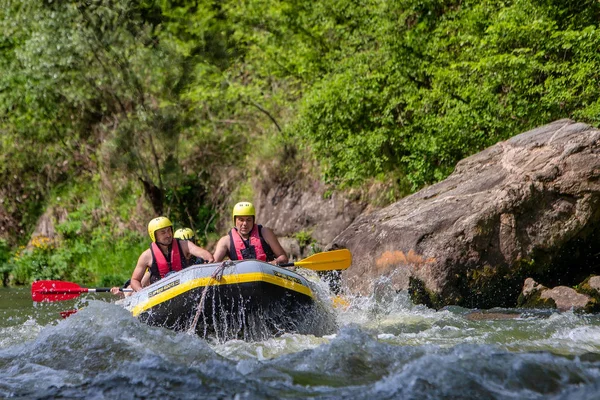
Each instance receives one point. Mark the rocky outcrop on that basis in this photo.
(561, 298)
(525, 207)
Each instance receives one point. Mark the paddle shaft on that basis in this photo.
(49, 291)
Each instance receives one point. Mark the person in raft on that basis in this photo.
(187, 234)
(248, 240)
(165, 254)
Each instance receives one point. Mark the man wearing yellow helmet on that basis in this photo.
(188, 234)
(248, 240)
(165, 254)
(185, 234)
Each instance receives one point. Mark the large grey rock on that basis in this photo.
(524, 207)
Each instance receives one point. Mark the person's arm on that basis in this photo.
(190, 248)
(138, 273)
(271, 239)
(222, 249)
(146, 278)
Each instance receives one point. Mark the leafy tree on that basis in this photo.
(96, 85)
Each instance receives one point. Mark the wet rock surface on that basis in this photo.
(525, 207)
(561, 298)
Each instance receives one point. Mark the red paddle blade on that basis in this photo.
(55, 291)
(65, 314)
(45, 297)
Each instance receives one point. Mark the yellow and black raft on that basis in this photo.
(245, 299)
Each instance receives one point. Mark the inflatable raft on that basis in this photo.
(246, 299)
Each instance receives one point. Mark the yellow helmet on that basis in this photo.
(243, 209)
(184, 234)
(156, 224)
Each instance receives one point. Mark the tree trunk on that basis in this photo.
(155, 195)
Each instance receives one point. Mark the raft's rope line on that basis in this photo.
(217, 275)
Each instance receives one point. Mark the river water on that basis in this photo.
(384, 347)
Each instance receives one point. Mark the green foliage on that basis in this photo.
(90, 244)
(79, 259)
(430, 83)
(304, 238)
(4, 252)
(88, 81)
(5, 267)
(39, 262)
(113, 256)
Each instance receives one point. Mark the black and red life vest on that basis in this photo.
(256, 247)
(161, 266)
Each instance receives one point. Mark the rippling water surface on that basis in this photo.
(382, 349)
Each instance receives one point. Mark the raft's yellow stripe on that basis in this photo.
(225, 280)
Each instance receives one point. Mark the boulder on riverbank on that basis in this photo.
(584, 298)
(526, 207)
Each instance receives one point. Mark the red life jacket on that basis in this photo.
(160, 266)
(262, 249)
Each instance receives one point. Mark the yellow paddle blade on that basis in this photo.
(327, 261)
(341, 303)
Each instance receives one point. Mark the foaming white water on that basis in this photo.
(267, 349)
(14, 335)
(382, 346)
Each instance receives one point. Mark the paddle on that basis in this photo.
(325, 261)
(49, 291)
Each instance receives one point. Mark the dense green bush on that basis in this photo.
(433, 82)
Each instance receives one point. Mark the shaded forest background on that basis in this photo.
(114, 111)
